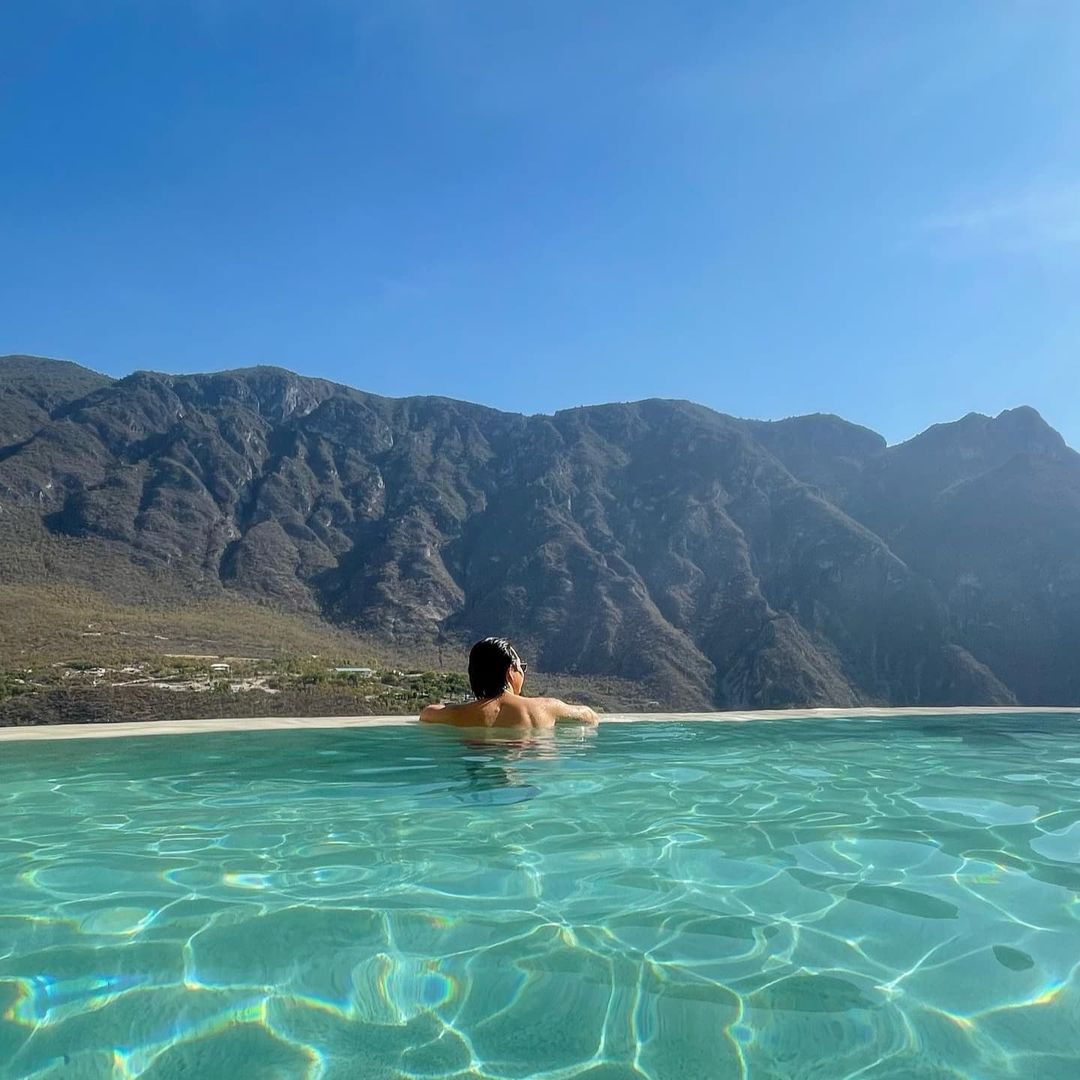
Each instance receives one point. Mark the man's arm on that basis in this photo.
(432, 714)
(578, 714)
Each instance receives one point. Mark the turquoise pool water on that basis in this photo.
(864, 898)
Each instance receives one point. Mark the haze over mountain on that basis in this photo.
(723, 562)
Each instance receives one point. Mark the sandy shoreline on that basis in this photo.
(285, 723)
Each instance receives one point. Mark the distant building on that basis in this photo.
(219, 669)
(354, 671)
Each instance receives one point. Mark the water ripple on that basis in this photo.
(688, 900)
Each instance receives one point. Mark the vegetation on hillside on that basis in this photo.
(69, 655)
(43, 623)
(709, 560)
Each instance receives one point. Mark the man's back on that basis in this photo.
(510, 711)
(496, 676)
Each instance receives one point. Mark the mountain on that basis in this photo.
(33, 389)
(721, 562)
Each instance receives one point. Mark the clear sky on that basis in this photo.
(868, 208)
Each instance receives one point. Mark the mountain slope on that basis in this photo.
(989, 511)
(722, 562)
(32, 389)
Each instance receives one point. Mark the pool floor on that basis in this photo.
(831, 898)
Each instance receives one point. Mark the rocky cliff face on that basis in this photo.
(724, 562)
(32, 389)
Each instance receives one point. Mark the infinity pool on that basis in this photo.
(875, 898)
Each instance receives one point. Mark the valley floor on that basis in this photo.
(196, 687)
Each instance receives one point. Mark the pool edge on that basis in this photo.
(292, 723)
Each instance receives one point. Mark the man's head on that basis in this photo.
(495, 667)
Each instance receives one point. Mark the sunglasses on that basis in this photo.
(522, 666)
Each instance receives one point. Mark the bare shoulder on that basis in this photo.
(443, 714)
(557, 709)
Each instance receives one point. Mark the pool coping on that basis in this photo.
(292, 723)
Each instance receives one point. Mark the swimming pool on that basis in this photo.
(877, 898)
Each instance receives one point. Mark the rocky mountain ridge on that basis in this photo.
(723, 562)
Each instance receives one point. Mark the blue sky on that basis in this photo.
(867, 208)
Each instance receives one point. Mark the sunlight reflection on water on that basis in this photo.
(792, 898)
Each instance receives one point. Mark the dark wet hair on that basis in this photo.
(488, 661)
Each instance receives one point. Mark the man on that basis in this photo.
(496, 675)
